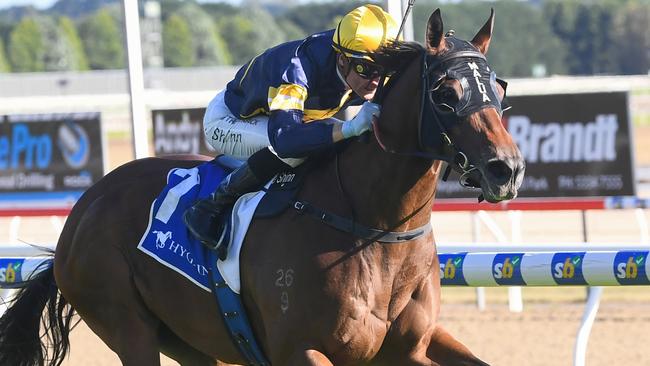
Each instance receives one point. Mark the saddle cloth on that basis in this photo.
(168, 241)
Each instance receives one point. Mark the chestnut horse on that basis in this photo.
(315, 295)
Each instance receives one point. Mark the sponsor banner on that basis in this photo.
(506, 269)
(575, 145)
(566, 268)
(630, 268)
(10, 271)
(46, 158)
(179, 131)
(451, 269)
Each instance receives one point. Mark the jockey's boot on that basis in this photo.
(203, 218)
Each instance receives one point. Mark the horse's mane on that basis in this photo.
(397, 55)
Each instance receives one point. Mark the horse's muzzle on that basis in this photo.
(501, 178)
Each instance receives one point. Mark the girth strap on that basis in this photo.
(349, 226)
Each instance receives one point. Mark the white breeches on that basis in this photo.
(235, 137)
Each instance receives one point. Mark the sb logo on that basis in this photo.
(505, 269)
(628, 270)
(8, 274)
(565, 270)
(449, 271)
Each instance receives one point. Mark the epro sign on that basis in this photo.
(575, 145)
(57, 154)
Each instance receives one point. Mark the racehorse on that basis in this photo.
(315, 295)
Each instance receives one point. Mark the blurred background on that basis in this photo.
(69, 56)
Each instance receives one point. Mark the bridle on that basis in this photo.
(434, 142)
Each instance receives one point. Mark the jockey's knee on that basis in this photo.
(265, 164)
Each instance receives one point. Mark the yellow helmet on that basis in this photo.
(363, 31)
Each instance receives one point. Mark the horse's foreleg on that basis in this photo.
(309, 357)
(446, 350)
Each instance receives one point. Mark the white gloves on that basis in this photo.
(362, 122)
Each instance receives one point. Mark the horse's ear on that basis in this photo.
(434, 36)
(482, 38)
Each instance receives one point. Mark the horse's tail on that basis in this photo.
(21, 342)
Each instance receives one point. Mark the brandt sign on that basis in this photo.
(575, 145)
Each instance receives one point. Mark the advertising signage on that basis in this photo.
(179, 131)
(48, 160)
(575, 145)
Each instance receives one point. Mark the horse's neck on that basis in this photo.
(386, 190)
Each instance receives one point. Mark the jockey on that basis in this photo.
(279, 108)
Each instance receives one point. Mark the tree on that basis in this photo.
(589, 32)
(291, 30)
(4, 64)
(177, 42)
(58, 54)
(69, 33)
(26, 49)
(521, 40)
(103, 41)
(633, 38)
(249, 35)
(561, 15)
(208, 47)
(316, 17)
(76, 8)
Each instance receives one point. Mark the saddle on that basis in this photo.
(280, 193)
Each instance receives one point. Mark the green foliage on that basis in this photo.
(76, 8)
(26, 49)
(291, 31)
(521, 39)
(208, 47)
(102, 41)
(58, 53)
(216, 10)
(559, 36)
(4, 64)
(70, 35)
(632, 26)
(603, 37)
(177, 43)
(251, 34)
(316, 16)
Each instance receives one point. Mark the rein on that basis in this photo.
(362, 232)
(351, 226)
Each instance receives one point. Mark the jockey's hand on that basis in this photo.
(362, 122)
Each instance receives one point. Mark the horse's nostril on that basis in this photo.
(500, 171)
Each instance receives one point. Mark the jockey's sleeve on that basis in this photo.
(291, 138)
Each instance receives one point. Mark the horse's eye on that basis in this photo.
(445, 98)
(447, 94)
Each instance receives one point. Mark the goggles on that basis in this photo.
(366, 69)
